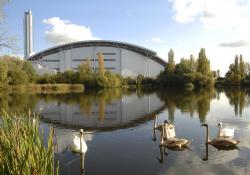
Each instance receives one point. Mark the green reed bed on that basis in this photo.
(48, 88)
(22, 149)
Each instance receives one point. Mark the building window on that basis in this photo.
(110, 68)
(83, 59)
(109, 59)
(54, 68)
(108, 53)
(51, 60)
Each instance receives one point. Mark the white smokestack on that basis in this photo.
(28, 34)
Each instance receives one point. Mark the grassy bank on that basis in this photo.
(22, 149)
(47, 88)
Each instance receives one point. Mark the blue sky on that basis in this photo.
(184, 25)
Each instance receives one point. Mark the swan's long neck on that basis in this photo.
(219, 132)
(155, 120)
(82, 164)
(207, 138)
(81, 136)
(162, 135)
(166, 135)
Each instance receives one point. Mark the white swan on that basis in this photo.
(223, 143)
(173, 142)
(170, 130)
(158, 127)
(225, 132)
(79, 144)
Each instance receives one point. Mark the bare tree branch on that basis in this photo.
(2, 4)
(7, 40)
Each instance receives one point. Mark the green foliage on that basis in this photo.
(109, 79)
(27, 154)
(3, 74)
(30, 71)
(18, 72)
(237, 73)
(101, 64)
(18, 77)
(171, 63)
(203, 64)
(129, 81)
(188, 71)
(196, 101)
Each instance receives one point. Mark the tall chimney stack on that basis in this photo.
(28, 34)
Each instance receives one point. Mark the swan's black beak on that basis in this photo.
(165, 121)
(204, 124)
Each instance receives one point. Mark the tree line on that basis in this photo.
(189, 73)
(238, 73)
(14, 71)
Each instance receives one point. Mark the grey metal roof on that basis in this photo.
(93, 43)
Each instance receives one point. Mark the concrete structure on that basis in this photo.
(119, 57)
(28, 34)
(41, 69)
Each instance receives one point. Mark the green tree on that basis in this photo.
(3, 73)
(218, 73)
(171, 63)
(18, 77)
(233, 76)
(192, 63)
(101, 64)
(85, 68)
(203, 64)
(242, 68)
(30, 71)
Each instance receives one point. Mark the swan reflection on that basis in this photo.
(74, 142)
(163, 153)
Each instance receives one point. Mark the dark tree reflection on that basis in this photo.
(188, 101)
(238, 98)
(17, 102)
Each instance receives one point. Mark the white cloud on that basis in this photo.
(213, 14)
(158, 40)
(226, 29)
(63, 31)
(239, 43)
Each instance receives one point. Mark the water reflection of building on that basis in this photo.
(119, 113)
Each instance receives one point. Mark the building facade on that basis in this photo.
(119, 57)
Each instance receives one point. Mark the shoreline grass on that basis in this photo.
(22, 149)
(46, 88)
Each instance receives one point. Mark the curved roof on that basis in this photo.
(94, 43)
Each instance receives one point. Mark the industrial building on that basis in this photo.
(122, 58)
(119, 57)
(28, 33)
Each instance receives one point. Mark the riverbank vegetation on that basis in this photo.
(47, 88)
(189, 73)
(27, 154)
(15, 72)
(238, 73)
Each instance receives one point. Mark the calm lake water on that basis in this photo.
(118, 128)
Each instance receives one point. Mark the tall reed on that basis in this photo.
(22, 147)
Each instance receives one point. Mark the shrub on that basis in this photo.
(22, 150)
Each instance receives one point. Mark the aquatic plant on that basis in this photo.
(22, 147)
